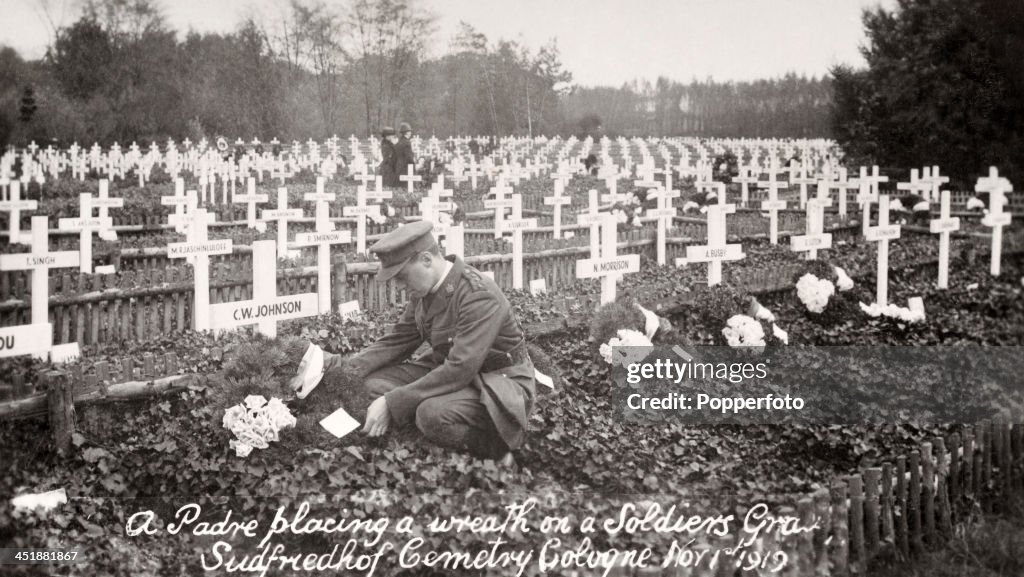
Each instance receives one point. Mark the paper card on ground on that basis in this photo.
(916, 304)
(65, 353)
(105, 269)
(47, 500)
(349, 309)
(538, 286)
(543, 379)
(339, 423)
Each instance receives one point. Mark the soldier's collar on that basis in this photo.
(444, 276)
(439, 299)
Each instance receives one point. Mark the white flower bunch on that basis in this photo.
(814, 292)
(843, 280)
(256, 423)
(625, 338)
(893, 311)
(744, 331)
(760, 312)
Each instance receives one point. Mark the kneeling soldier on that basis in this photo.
(474, 390)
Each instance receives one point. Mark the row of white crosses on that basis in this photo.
(265, 308)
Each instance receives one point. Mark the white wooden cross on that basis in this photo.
(104, 203)
(664, 213)
(516, 225)
(609, 266)
(804, 179)
(178, 202)
(499, 203)
(438, 192)
(865, 197)
(252, 198)
(557, 200)
(717, 249)
(36, 338)
(882, 234)
(323, 238)
(379, 192)
(745, 179)
(773, 205)
(410, 178)
(474, 172)
(594, 219)
(364, 178)
(997, 187)
(611, 182)
(282, 214)
(936, 181)
(874, 180)
(265, 308)
(842, 184)
(197, 249)
(704, 177)
(816, 237)
(563, 173)
(86, 224)
(457, 176)
(14, 206)
(915, 186)
(361, 210)
(190, 202)
(433, 209)
(943, 226)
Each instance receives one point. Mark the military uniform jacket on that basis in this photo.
(470, 326)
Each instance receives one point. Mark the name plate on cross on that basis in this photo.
(309, 238)
(709, 254)
(230, 315)
(184, 249)
(511, 225)
(84, 223)
(33, 339)
(599, 267)
(887, 232)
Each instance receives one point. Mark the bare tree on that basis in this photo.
(386, 38)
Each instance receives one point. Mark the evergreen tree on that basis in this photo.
(28, 107)
(943, 86)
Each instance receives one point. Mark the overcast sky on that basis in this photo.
(604, 42)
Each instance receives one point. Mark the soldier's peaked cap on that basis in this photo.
(400, 245)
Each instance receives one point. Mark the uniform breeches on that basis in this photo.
(457, 420)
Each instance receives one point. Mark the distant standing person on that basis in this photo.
(403, 150)
(387, 171)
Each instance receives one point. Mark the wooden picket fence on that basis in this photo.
(87, 310)
(897, 511)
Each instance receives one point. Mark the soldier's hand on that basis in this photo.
(377, 418)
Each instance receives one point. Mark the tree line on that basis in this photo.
(119, 72)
